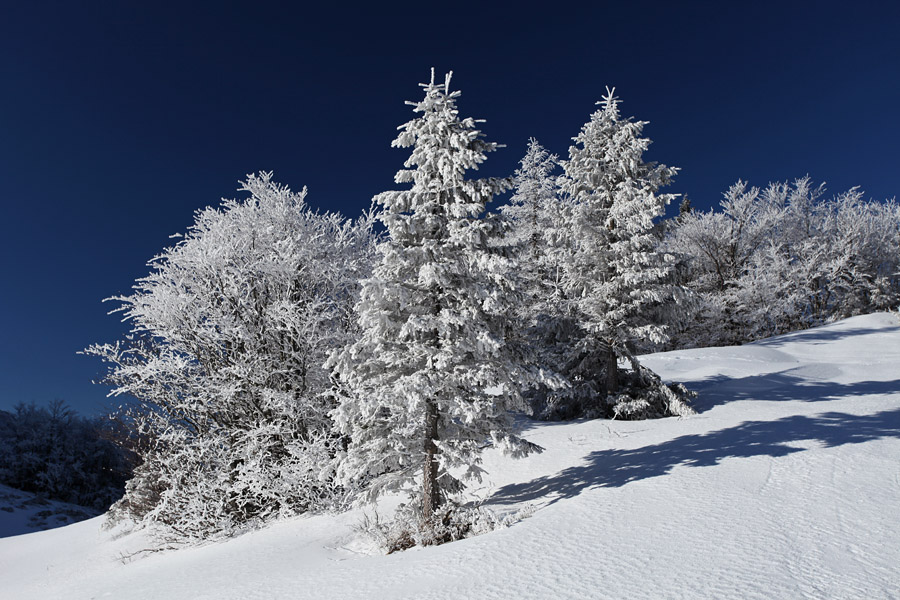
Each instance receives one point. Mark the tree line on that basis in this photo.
(55, 453)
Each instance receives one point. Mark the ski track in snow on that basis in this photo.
(785, 485)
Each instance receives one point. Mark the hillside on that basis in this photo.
(785, 485)
(24, 512)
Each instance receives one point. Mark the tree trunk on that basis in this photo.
(612, 371)
(431, 495)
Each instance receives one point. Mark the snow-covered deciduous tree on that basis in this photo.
(783, 258)
(615, 276)
(717, 249)
(434, 375)
(229, 335)
(863, 237)
(721, 244)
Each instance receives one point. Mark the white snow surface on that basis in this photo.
(785, 485)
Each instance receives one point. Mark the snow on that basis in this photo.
(785, 485)
(24, 512)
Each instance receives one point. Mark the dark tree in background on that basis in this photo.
(55, 453)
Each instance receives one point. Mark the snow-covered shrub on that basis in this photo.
(225, 360)
(641, 394)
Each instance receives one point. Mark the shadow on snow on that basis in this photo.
(817, 336)
(782, 386)
(615, 468)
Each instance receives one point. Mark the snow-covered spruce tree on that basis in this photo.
(615, 277)
(434, 376)
(229, 335)
(533, 212)
(539, 238)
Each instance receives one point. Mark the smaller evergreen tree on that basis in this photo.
(685, 206)
(537, 233)
(539, 238)
(531, 209)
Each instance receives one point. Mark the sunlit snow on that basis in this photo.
(785, 485)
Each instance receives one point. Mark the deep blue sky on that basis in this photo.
(119, 120)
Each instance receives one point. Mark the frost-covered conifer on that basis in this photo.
(540, 239)
(433, 377)
(229, 335)
(616, 276)
(539, 233)
(533, 211)
(685, 207)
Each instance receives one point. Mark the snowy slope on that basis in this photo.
(24, 512)
(786, 485)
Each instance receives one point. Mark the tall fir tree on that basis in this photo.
(616, 277)
(433, 377)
